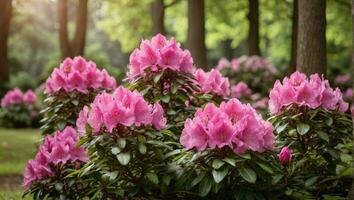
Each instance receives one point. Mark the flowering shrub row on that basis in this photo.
(172, 133)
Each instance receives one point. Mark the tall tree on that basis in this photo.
(292, 63)
(311, 44)
(158, 15)
(253, 31)
(196, 32)
(5, 18)
(71, 48)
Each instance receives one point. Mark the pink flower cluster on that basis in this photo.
(233, 124)
(123, 107)
(80, 75)
(246, 63)
(342, 79)
(159, 54)
(55, 151)
(241, 89)
(313, 92)
(16, 96)
(212, 82)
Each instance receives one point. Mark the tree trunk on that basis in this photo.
(196, 32)
(76, 47)
(292, 64)
(311, 44)
(253, 31)
(351, 191)
(158, 15)
(5, 19)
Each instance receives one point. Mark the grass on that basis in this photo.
(17, 146)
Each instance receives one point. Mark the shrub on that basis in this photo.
(19, 109)
(69, 88)
(308, 118)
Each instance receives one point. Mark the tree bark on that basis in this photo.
(292, 63)
(196, 32)
(311, 44)
(158, 15)
(76, 47)
(5, 19)
(253, 31)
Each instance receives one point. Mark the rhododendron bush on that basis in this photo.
(57, 157)
(309, 118)
(69, 88)
(19, 109)
(173, 131)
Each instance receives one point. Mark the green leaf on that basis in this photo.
(58, 186)
(121, 143)
(230, 161)
(145, 91)
(245, 156)
(166, 179)
(75, 102)
(281, 128)
(112, 175)
(153, 178)
(205, 186)
(123, 158)
(142, 148)
(302, 128)
(248, 174)
(266, 167)
(217, 163)
(165, 99)
(311, 181)
(219, 175)
(329, 121)
(198, 179)
(324, 136)
(157, 77)
(115, 150)
(277, 178)
(174, 88)
(61, 125)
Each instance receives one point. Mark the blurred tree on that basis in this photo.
(311, 45)
(253, 30)
(292, 63)
(76, 46)
(158, 16)
(5, 18)
(196, 32)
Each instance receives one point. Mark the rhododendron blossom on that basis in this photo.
(159, 54)
(285, 156)
(241, 89)
(212, 82)
(342, 79)
(122, 107)
(78, 75)
(55, 151)
(233, 124)
(313, 92)
(246, 63)
(16, 96)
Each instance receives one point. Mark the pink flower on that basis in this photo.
(313, 93)
(54, 153)
(342, 79)
(352, 110)
(82, 121)
(261, 103)
(212, 82)
(29, 97)
(159, 54)
(247, 64)
(121, 108)
(78, 75)
(158, 119)
(349, 93)
(241, 90)
(223, 63)
(233, 125)
(285, 156)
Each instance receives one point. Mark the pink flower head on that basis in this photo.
(349, 93)
(241, 90)
(121, 108)
(212, 82)
(285, 156)
(314, 92)
(342, 79)
(78, 75)
(247, 64)
(159, 54)
(16, 96)
(222, 64)
(233, 125)
(55, 151)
